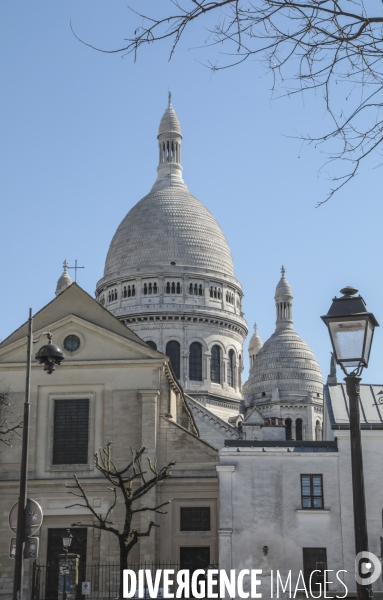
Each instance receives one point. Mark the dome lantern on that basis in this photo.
(169, 146)
(284, 303)
(64, 281)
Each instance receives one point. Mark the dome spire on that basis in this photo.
(255, 345)
(64, 281)
(284, 303)
(169, 146)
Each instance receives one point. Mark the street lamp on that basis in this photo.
(49, 355)
(351, 328)
(67, 538)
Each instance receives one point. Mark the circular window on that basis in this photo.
(72, 343)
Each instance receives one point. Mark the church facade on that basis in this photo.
(110, 387)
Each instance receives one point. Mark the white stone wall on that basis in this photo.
(260, 500)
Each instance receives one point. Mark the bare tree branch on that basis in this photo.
(330, 46)
(10, 424)
(122, 480)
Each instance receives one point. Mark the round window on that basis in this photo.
(72, 343)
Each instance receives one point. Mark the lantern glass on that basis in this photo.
(67, 538)
(348, 338)
(368, 342)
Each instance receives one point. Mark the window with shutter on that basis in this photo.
(70, 432)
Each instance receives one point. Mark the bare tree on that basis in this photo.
(10, 423)
(133, 483)
(330, 46)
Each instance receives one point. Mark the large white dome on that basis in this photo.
(168, 225)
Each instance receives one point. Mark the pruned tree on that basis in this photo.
(133, 483)
(334, 47)
(10, 423)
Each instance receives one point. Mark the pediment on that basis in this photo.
(74, 312)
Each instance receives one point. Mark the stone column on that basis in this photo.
(207, 371)
(149, 411)
(225, 526)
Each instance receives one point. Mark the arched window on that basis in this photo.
(191, 288)
(299, 429)
(318, 435)
(145, 289)
(195, 361)
(178, 288)
(173, 351)
(215, 364)
(195, 289)
(211, 292)
(173, 287)
(152, 345)
(200, 289)
(150, 289)
(133, 290)
(155, 289)
(288, 424)
(124, 291)
(230, 368)
(168, 288)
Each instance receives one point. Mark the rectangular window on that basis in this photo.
(312, 491)
(195, 518)
(70, 432)
(314, 565)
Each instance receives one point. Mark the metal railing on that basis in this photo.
(102, 579)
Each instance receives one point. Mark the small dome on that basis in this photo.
(285, 362)
(283, 288)
(169, 122)
(255, 343)
(64, 281)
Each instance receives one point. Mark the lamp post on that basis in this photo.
(351, 328)
(67, 538)
(48, 355)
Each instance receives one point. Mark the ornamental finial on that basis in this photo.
(65, 265)
(283, 271)
(255, 328)
(169, 98)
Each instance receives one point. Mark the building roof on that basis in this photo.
(169, 225)
(370, 409)
(74, 300)
(169, 122)
(291, 446)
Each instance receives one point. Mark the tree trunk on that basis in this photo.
(123, 565)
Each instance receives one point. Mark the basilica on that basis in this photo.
(169, 276)
(155, 360)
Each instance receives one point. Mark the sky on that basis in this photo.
(78, 149)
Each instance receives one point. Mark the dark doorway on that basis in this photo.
(314, 559)
(55, 548)
(193, 558)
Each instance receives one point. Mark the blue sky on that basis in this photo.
(78, 150)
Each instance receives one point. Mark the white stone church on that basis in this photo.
(157, 359)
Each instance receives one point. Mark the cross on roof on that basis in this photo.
(75, 269)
